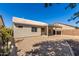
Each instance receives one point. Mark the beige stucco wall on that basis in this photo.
(25, 31)
(67, 30)
(74, 32)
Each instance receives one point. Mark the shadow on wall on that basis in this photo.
(49, 48)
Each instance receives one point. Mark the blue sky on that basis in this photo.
(38, 12)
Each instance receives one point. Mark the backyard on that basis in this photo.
(48, 46)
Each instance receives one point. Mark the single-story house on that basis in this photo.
(25, 28)
(63, 29)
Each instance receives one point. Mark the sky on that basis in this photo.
(37, 12)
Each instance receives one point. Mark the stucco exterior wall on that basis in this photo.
(68, 30)
(74, 32)
(25, 31)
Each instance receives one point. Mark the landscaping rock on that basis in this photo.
(48, 48)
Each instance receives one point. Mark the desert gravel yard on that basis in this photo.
(49, 48)
(25, 46)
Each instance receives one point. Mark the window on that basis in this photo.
(53, 32)
(34, 29)
(58, 32)
(20, 26)
(42, 29)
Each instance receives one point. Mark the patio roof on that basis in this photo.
(67, 25)
(26, 21)
(55, 26)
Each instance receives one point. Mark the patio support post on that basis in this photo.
(55, 31)
(47, 30)
(61, 31)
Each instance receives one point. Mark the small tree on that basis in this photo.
(6, 34)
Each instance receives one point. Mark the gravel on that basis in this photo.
(48, 48)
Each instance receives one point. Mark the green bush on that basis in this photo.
(5, 37)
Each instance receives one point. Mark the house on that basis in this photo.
(1, 22)
(64, 29)
(25, 28)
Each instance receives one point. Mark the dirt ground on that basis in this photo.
(26, 44)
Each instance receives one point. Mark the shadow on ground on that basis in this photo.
(75, 46)
(14, 49)
(49, 48)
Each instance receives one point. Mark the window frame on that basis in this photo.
(34, 29)
(20, 26)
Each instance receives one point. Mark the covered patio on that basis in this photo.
(54, 30)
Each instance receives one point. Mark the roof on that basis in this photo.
(68, 25)
(1, 21)
(26, 21)
(55, 26)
